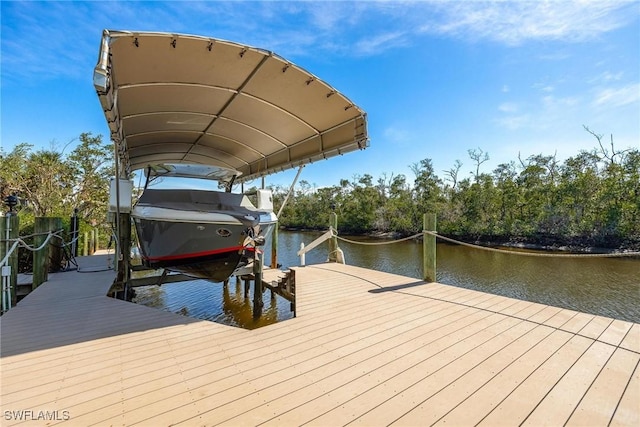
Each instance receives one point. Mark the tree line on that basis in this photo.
(590, 199)
(50, 182)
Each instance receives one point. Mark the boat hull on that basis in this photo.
(206, 245)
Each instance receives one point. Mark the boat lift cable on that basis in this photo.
(471, 245)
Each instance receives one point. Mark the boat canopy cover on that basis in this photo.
(171, 98)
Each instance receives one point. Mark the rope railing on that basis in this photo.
(388, 242)
(471, 245)
(19, 242)
(69, 243)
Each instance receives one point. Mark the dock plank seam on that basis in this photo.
(169, 369)
(500, 312)
(626, 388)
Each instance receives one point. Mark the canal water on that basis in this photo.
(604, 286)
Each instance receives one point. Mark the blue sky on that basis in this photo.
(435, 78)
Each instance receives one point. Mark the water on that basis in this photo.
(205, 300)
(604, 286)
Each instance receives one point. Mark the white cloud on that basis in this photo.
(617, 97)
(544, 87)
(607, 77)
(380, 42)
(535, 116)
(553, 102)
(514, 23)
(397, 135)
(508, 107)
(514, 122)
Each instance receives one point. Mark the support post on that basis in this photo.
(333, 242)
(274, 247)
(10, 229)
(41, 258)
(257, 286)
(429, 248)
(247, 286)
(75, 229)
(85, 244)
(55, 246)
(124, 256)
(93, 242)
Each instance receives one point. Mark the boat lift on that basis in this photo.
(174, 98)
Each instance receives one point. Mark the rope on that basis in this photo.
(504, 251)
(28, 236)
(388, 242)
(22, 243)
(64, 245)
(536, 254)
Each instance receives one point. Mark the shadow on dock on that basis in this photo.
(72, 307)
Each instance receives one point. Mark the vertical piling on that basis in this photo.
(303, 257)
(55, 245)
(257, 286)
(85, 244)
(41, 259)
(93, 242)
(333, 242)
(123, 258)
(429, 248)
(9, 229)
(274, 247)
(75, 230)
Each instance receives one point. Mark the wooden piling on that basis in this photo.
(85, 244)
(257, 286)
(247, 285)
(93, 241)
(274, 247)
(333, 242)
(429, 248)
(123, 258)
(13, 224)
(75, 232)
(41, 258)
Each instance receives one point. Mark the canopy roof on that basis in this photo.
(171, 98)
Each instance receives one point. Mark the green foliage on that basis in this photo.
(592, 198)
(48, 183)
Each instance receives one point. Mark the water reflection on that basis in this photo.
(216, 302)
(604, 286)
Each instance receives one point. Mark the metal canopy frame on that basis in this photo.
(173, 98)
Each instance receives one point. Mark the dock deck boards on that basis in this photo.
(366, 348)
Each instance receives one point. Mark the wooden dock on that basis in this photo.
(366, 348)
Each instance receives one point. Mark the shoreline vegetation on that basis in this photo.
(587, 203)
(542, 243)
